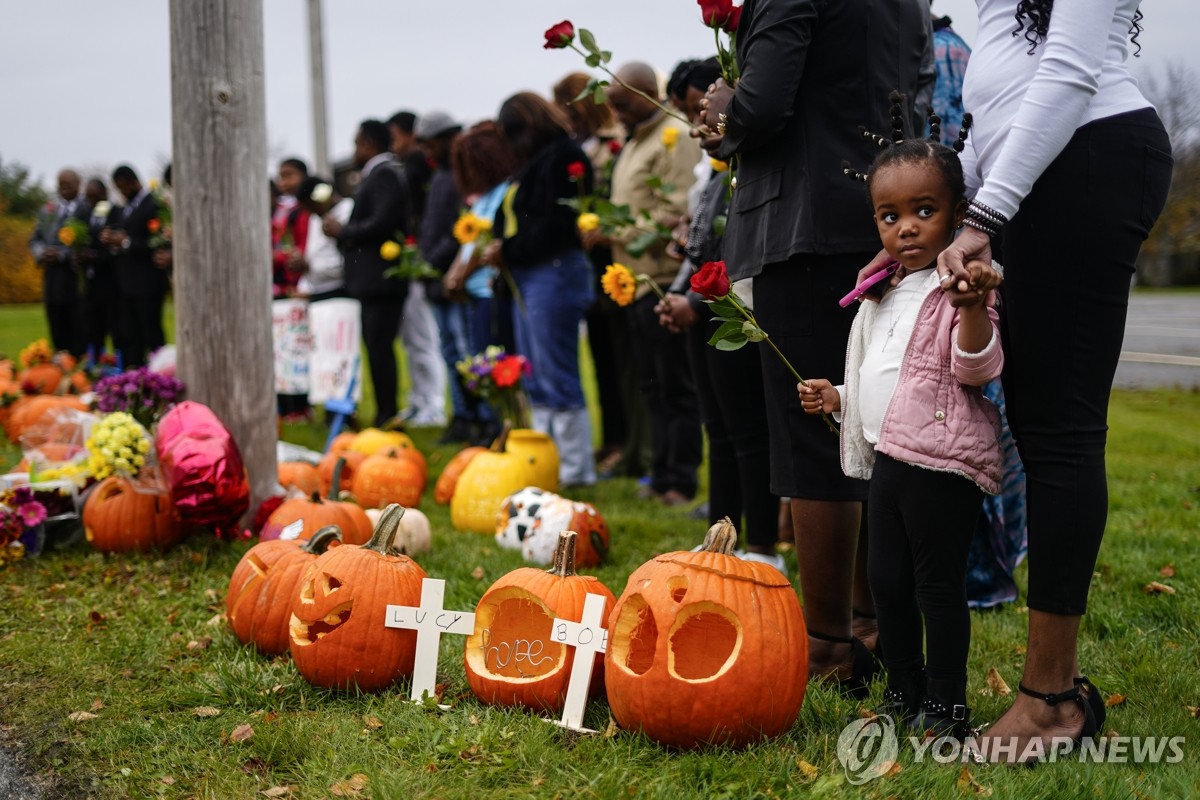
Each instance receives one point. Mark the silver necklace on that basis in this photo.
(894, 320)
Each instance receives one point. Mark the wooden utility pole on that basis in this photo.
(316, 63)
(221, 236)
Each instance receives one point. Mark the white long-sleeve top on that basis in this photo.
(1027, 107)
(325, 269)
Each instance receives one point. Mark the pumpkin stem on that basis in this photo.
(721, 538)
(336, 486)
(501, 441)
(564, 555)
(384, 535)
(321, 540)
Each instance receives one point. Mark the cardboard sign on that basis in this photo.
(335, 332)
(430, 620)
(292, 345)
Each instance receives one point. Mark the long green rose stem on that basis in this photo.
(638, 92)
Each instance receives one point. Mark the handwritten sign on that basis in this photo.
(588, 637)
(430, 620)
(335, 330)
(292, 345)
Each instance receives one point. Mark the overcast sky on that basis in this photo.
(87, 84)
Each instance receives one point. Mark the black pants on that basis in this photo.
(100, 314)
(729, 388)
(140, 328)
(665, 380)
(66, 326)
(1066, 293)
(919, 527)
(380, 326)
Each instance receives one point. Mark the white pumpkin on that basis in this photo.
(414, 534)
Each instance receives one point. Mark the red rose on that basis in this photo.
(507, 371)
(715, 13)
(735, 16)
(576, 170)
(410, 240)
(711, 282)
(614, 146)
(560, 35)
(154, 225)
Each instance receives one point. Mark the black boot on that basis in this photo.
(903, 696)
(944, 711)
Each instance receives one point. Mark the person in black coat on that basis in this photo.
(141, 285)
(96, 263)
(60, 283)
(812, 72)
(382, 207)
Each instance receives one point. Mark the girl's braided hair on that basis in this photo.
(898, 150)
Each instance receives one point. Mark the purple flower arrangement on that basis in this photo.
(141, 392)
(19, 511)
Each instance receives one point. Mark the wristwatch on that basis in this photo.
(125, 243)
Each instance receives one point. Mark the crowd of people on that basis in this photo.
(886, 517)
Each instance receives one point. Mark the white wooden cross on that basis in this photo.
(588, 637)
(430, 620)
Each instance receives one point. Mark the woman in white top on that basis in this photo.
(1070, 169)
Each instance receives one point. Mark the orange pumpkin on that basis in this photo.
(26, 411)
(299, 475)
(388, 478)
(341, 443)
(511, 659)
(371, 441)
(443, 490)
(119, 519)
(338, 636)
(329, 462)
(41, 378)
(261, 563)
(707, 648)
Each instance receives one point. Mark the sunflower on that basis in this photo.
(719, 165)
(468, 228)
(670, 136)
(389, 250)
(66, 236)
(589, 222)
(619, 284)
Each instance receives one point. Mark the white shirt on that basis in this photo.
(1027, 107)
(374, 162)
(886, 342)
(325, 268)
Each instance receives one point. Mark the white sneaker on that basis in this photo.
(774, 560)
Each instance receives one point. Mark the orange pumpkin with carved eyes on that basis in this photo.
(705, 648)
(258, 602)
(337, 631)
(511, 659)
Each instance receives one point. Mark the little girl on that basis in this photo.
(916, 424)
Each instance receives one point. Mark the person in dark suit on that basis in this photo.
(96, 263)
(141, 284)
(382, 208)
(812, 72)
(60, 282)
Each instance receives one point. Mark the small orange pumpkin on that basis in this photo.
(256, 576)
(370, 441)
(350, 462)
(707, 648)
(388, 478)
(337, 631)
(510, 658)
(28, 410)
(119, 519)
(315, 512)
(41, 378)
(300, 475)
(443, 490)
(341, 443)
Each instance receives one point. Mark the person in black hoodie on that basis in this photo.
(538, 241)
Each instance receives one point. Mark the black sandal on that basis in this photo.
(863, 668)
(1094, 699)
(878, 651)
(1090, 728)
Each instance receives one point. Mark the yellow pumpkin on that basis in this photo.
(492, 476)
(374, 440)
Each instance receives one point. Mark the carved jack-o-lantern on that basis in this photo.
(338, 636)
(561, 514)
(707, 648)
(511, 659)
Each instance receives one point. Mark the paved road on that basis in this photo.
(1162, 342)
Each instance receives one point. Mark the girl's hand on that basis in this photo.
(819, 395)
(969, 245)
(983, 278)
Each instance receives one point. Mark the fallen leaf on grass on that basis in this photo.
(1168, 571)
(351, 786)
(215, 620)
(206, 711)
(611, 729)
(806, 769)
(80, 716)
(1114, 700)
(473, 720)
(372, 721)
(168, 780)
(996, 683)
(277, 791)
(893, 768)
(241, 733)
(1194, 711)
(200, 644)
(97, 705)
(968, 785)
(477, 573)
(1154, 587)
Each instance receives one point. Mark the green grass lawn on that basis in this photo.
(138, 642)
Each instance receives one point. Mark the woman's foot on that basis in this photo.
(1011, 739)
(866, 630)
(845, 661)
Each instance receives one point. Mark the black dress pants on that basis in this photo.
(380, 325)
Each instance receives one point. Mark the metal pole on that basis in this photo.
(316, 50)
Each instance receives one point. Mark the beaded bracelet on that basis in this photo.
(981, 212)
(981, 225)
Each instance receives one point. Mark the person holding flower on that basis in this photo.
(99, 280)
(60, 292)
(537, 239)
(653, 176)
(811, 73)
